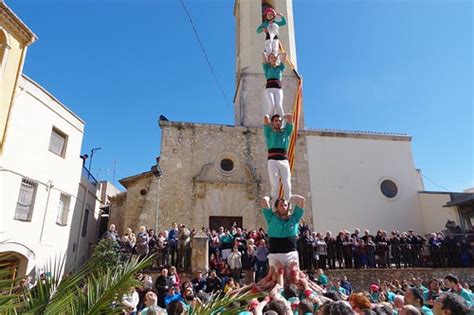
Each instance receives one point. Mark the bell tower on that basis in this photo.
(249, 103)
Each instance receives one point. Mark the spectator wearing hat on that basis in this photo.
(173, 295)
(374, 293)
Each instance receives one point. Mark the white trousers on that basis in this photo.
(276, 170)
(274, 98)
(284, 259)
(271, 47)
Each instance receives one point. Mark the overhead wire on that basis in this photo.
(216, 78)
(436, 184)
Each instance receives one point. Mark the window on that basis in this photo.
(389, 188)
(84, 223)
(58, 142)
(26, 200)
(227, 165)
(63, 209)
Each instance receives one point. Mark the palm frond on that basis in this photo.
(220, 304)
(120, 282)
(101, 289)
(37, 299)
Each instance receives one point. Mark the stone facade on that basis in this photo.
(194, 187)
(138, 205)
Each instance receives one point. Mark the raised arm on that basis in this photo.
(262, 28)
(266, 120)
(265, 202)
(288, 117)
(283, 57)
(282, 20)
(298, 200)
(264, 58)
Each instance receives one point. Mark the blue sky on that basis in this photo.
(377, 65)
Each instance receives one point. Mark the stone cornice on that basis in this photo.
(303, 132)
(126, 182)
(15, 25)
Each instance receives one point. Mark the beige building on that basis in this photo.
(15, 37)
(214, 175)
(49, 204)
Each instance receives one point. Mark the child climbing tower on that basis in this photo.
(249, 103)
(250, 83)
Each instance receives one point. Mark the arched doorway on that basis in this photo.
(13, 265)
(9, 262)
(18, 258)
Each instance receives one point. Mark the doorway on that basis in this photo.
(227, 222)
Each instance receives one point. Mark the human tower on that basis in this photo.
(277, 129)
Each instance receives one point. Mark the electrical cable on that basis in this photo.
(216, 78)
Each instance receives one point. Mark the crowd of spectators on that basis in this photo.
(171, 295)
(238, 260)
(242, 253)
(397, 250)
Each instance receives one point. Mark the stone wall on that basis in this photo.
(361, 279)
(138, 205)
(117, 211)
(194, 187)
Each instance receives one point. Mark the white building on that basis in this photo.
(369, 180)
(49, 203)
(45, 200)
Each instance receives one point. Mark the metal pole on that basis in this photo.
(92, 155)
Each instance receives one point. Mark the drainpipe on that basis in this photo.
(48, 188)
(80, 227)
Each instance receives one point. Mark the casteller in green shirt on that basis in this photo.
(278, 139)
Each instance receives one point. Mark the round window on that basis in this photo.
(389, 188)
(143, 192)
(227, 165)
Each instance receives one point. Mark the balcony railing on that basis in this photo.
(89, 176)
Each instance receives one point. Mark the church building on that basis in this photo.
(214, 175)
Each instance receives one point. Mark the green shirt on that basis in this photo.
(265, 24)
(464, 294)
(277, 227)
(323, 279)
(426, 311)
(273, 72)
(278, 139)
(226, 238)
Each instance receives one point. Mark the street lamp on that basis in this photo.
(92, 154)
